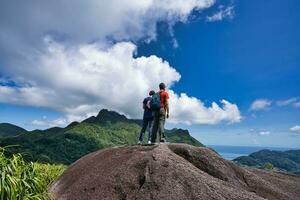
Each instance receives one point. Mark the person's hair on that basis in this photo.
(162, 86)
(151, 93)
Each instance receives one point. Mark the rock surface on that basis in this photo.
(169, 171)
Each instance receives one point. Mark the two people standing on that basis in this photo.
(156, 110)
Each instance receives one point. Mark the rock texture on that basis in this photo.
(169, 171)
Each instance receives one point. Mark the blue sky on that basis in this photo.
(249, 57)
(252, 56)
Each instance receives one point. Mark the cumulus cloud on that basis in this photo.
(260, 104)
(223, 13)
(81, 81)
(76, 21)
(87, 75)
(78, 57)
(190, 110)
(295, 129)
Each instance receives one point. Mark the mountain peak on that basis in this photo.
(169, 171)
(105, 116)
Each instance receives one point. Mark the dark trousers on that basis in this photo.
(147, 123)
(158, 124)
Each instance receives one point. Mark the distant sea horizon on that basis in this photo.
(232, 152)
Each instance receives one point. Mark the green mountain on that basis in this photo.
(66, 145)
(8, 130)
(283, 160)
(181, 136)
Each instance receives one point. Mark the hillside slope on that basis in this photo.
(66, 145)
(169, 172)
(9, 130)
(283, 160)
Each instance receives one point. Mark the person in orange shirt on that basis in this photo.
(160, 115)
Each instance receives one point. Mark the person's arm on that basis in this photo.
(144, 104)
(167, 107)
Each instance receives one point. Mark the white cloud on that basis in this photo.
(57, 122)
(287, 101)
(264, 133)
(190, 110)
(223, 13)
(68, 56)
(77, 21)
(260, 104)
(297, 104)
(81, 81)
(62, 121)
(294, 101)
(260, 132)
(82, 78)
(295, 129)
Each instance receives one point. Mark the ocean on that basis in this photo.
(232, 152)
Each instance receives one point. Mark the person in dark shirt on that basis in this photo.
(147, 119)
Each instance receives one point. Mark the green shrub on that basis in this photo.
(20, 180)
(268, 166)
(48, 172)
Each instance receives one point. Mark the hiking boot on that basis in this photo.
(139, 142)
(149, 142)
(163, 140)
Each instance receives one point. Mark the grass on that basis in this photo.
(21, 180)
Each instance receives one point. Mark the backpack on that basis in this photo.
(155, 102)
(148, 104)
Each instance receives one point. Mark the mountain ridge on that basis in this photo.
(66, 145)
(8, 129)
(105, 116)
(282, 160)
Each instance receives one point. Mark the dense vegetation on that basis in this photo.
(66, 145)
(182, 136)
(25, 180)
(8, 130)
(282, 160)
